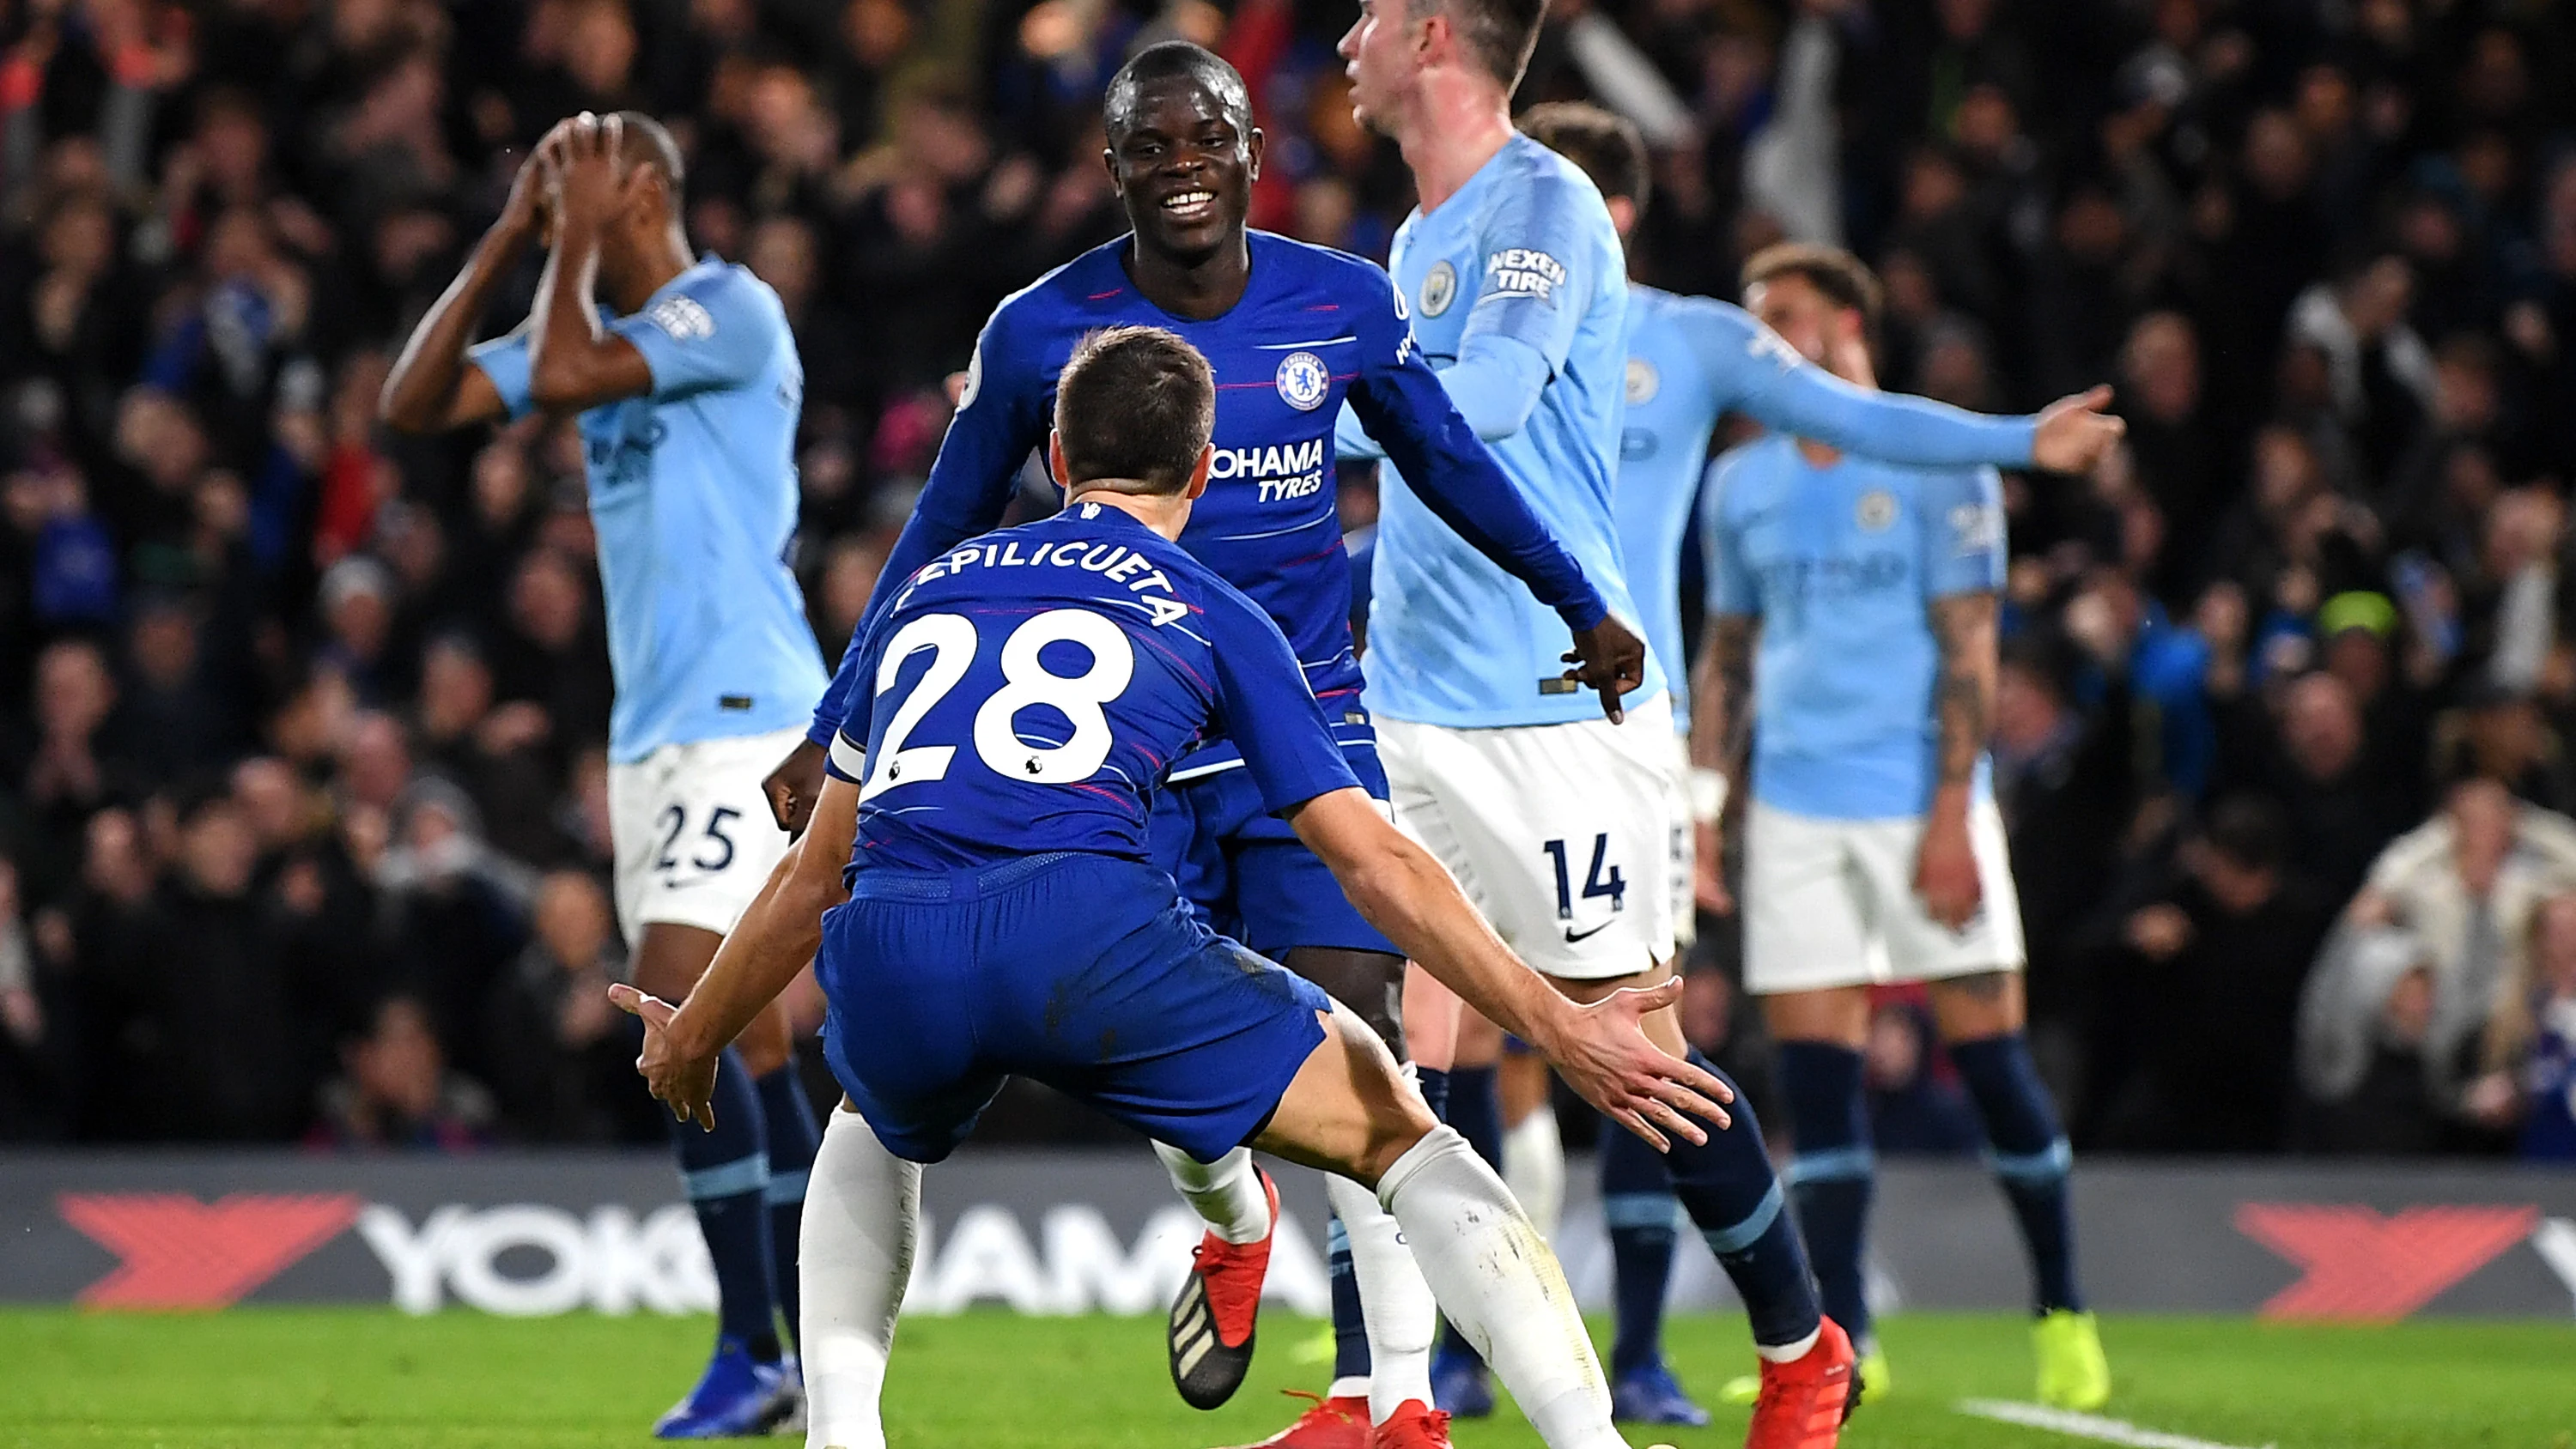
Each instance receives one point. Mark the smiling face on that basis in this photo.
(1184, 161)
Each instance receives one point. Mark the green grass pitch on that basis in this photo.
(300, 1379)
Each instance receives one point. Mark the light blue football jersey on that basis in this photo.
(1692, 360)
(1840, 564)
(693, 495)
(1524, 250)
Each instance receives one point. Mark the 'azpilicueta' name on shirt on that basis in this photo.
(1114, 562)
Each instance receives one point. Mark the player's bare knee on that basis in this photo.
(671, 957)
(1479, 1042)
(1987, 1003)
(769, 1043)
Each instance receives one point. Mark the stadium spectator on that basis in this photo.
(395, 1091)
(2365, 1058)
(2549, 1075)
(2195, 1039)
(564, 1058)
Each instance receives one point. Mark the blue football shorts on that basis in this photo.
(1082, 971)
(1245, 871)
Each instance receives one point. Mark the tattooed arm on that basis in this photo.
(1721, 733)
(1963, 706)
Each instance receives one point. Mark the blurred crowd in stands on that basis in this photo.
(302, 807)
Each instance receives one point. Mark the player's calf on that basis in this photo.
(1347, 1112)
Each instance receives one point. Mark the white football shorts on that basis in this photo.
(1561, 834)
(1831, 903)
(692, 832)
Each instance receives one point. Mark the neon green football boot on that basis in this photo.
(1875, 1381)
(2073, 1374)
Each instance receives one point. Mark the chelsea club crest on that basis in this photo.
(1439, 288)
(1303, 381)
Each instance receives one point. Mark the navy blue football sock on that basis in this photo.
(1637, 1206)
(1831, 1175)
(1350, 1330)
(793, 1140)
(1476, 1110)
(2031, 1158)
(1730, 1192)
(726, 1175)
(1435, 1089)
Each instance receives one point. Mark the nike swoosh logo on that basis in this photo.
(1572, 935)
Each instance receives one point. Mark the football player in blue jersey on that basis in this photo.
(1518, 283)
(1689, 361)
(686, 384)
(1295, 333)
(1873, 851)
(988, 814)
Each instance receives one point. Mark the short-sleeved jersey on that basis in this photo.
(693, 495)
(1314, 327)
(1691, 361)
(1029, 691)
(1525, 250)
(1839, 564)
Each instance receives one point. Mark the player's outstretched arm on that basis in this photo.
(575, 363)
(1601, 1049)
(1785, 391)
(777, 935)
(432, 388)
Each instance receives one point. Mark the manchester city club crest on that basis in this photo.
(1643, 381)
(1876, 510)
(1439, 289)
(1303, 381)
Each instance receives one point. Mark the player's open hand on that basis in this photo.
(525, 213)
(2074, 432)
(1607, 1058)
(1610, 658)
(793, 787)
(1945, 873)
(586, 178)
(687, 1085)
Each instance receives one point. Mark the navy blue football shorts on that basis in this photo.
(1246, 872)
(1085, 972)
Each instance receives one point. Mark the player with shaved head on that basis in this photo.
(686, 384)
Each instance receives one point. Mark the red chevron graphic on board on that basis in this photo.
(181, 1253)
(2361, 1265)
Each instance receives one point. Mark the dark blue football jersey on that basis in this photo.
(1313, 328)
(1029, 690)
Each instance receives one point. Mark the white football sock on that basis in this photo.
(854, 1258)
(1790, 1352)
(1501, 1287)
(1226, 1193)
(1395, 1303)
(1534, 1168)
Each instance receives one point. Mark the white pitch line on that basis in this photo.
(2083, 1426)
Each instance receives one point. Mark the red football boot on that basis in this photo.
(1414, 1425)
(1330, 1424)
(1804, 1401)
(1209, 1335)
